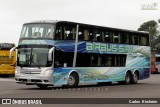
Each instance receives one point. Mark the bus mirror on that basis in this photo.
(50, 53)
(10, 52)
(65, 65)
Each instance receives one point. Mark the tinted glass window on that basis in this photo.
(37, 31)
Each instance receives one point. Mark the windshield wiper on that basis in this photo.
(38, 66)
(32, 62)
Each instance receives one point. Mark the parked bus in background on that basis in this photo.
(155, 63)
(7, 65)
(63, 53)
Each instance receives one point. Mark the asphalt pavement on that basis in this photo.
(148, 88)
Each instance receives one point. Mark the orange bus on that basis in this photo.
(7, 65)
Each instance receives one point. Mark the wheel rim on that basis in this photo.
(135, 77)
(127, 78)
(71, 80)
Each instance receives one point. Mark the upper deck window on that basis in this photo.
(65, 32)
(37, 31)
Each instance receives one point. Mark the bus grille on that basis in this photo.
(30, 72)
(32, 80)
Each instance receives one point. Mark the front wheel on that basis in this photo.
(73, 80)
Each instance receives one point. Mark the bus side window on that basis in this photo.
(109, 61)
(106, 61)
(157, 59)
(143, 40)
(99, 60)
(68, 58)
(124, 38)
(86, 36)
(107, 37)
(120, 37)
(97, 35)
(118, 60)
(135, 39)
(59, 33)
(91, 36)
(69, 32)
(123, 60)
(116, 38)
(81, 34)
(111, 34)
(94, 61)
(58, 59)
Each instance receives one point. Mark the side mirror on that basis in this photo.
(10, 52)
(50, 54)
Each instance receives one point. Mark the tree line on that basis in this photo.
(153, 27)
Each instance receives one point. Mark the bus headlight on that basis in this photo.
(47, 72)
(17, 70)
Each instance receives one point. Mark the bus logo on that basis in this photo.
(6, 101)
(109, 47)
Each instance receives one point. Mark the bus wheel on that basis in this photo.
(156, 70)
(42, 86)
(127, 79)
(135, 78)
(73, 80)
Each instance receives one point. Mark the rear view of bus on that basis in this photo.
(7, 65)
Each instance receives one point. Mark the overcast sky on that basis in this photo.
(126, 14)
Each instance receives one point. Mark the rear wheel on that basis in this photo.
(156, 71)
(42, 86)
(127, 79)
(73, 80)
(135, 78)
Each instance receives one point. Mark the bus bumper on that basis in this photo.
(33, 79)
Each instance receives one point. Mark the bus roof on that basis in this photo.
(111, 28)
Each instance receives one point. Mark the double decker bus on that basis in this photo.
(63, 53)
(7, 65)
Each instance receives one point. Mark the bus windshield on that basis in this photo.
(33, 57)
(37, 31)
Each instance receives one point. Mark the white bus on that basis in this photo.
(63, 53)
